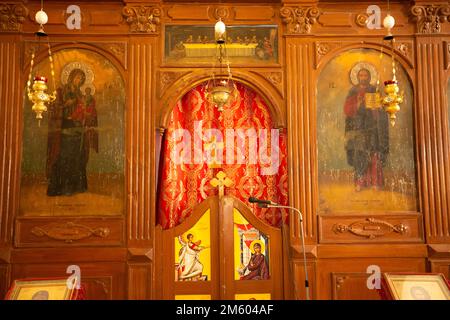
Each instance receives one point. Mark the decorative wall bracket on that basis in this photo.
(143, 19)
(12, 16)
(430, 17)
(370, 228)
(69, 231)
(299, 20)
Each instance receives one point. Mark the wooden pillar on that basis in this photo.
(140, 167)
(10, 126)
(433, 52)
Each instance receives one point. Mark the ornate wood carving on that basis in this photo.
(323, 48)
(69, 231)
(370, 228)
(143, 19)
(117, 49)
(275, 78)
(166, 78)
(361, 19)
(221, 12)
(12, 16)
(406, 49)
(430, 17)
(299, 20)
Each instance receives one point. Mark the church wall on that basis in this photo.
(124, 264)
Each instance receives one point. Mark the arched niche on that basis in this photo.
(352, 139)
(269, 91)
(87, 132)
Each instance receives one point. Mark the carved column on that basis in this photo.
(301, 128)
(432, 125)
(140, 165)
(12, 16)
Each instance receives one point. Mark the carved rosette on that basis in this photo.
(430, 17)
(361, 19)
(299, 20)
(370, 228)
(12, 16)
(143, 19)
(221, 13)
(69, 231)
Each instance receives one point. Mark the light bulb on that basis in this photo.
(41, 17)
(389, 22)
(219, 28)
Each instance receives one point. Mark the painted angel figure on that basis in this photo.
(190, 267)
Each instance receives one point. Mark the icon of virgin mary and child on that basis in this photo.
(72, 131)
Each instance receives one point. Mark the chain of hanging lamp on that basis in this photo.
(37, 92)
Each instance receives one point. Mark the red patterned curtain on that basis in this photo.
(185, 183)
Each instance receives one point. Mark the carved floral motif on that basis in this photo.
(430, 17)
(12, 16)
(299, 19)
(143, 18)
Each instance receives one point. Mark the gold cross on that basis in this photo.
(221, 181)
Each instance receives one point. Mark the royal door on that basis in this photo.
(221, 251)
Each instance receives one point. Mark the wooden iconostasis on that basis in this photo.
(92, 185)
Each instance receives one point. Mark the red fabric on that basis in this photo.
(374, 173)
(183, 186)
(351, 106)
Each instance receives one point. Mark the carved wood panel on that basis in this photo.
(352, 286)
(341, 229)
(49, 232)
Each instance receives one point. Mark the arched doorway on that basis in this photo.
(213, 245)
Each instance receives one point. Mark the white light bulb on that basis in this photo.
(219, 28)
(389, 22)
(41, 17)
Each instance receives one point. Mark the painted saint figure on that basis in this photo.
(366, 133)
(257, 266)
(72, 133)
(190, 267)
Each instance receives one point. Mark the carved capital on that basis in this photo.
(12, 16)
(299, 20)
(370, 228)
(69, 231)
(142, 19)
(430, 17)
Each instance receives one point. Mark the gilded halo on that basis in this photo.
(88, 83)
(363, 65)
(263, 246)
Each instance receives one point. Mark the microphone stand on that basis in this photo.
(300, 216)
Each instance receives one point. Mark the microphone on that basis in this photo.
(261, 202)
